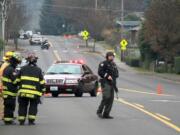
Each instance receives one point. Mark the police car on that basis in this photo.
(71, 77)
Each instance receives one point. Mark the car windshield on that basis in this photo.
(64, 69)
(36, 36)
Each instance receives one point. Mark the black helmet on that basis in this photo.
(16, 57)
(32, 58)
(109, 54)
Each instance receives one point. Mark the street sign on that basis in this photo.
(123, 48)
(123, 44)
(85, 35)
(85, 38)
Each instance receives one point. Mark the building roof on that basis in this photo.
(129, 23)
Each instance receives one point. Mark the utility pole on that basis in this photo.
(4, 6)
(3, 17)
(96, 8)
(96, 4)
(122, 27)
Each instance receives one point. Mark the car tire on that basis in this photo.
(79, 91)
(55, 94)
(78, 94)
(93, 93)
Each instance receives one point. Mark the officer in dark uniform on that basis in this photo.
(31, 88)
(10, 88)
(109, 73)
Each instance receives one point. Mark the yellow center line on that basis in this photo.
(169, 124)
(162, 116)
(139, 105)
(142, 92)
(56, 55)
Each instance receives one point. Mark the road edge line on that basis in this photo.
(142, 92)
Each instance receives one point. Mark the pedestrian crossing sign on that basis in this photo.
(85, 35)
(123, 44)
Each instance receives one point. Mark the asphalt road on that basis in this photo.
(138, 111)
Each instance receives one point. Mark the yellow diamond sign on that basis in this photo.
(85, 33)
(123, 44)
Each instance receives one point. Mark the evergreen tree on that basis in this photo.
(50, 22)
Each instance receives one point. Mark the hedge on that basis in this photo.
(177, 65)
(133, 62)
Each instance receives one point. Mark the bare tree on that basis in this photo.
(15, 21)
(162, 29)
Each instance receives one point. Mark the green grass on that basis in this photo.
(105, 45)
(140, 69)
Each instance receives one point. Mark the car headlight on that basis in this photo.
(72, 81)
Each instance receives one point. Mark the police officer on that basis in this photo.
(31, 87)
(10, 88)
(109, 73)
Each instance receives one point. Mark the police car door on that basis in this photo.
(87, 78)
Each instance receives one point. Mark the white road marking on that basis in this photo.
(142, 92)
(166, 101)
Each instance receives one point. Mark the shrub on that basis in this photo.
(177, 65)
(134, 62)
(161, 69)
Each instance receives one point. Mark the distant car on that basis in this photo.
(23, 63)
(21, 36)
(29, 33)
(24, 36)
(72, 77)
(36, 39)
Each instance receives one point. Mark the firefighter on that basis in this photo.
(10, 88)
(31, 88)
(109, 73)
(5, 63)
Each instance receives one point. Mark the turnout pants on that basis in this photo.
(107, 99)
(28, 106)
(9, 108)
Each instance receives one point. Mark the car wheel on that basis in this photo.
(79, 92)
(93, 93)
(55, 94)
